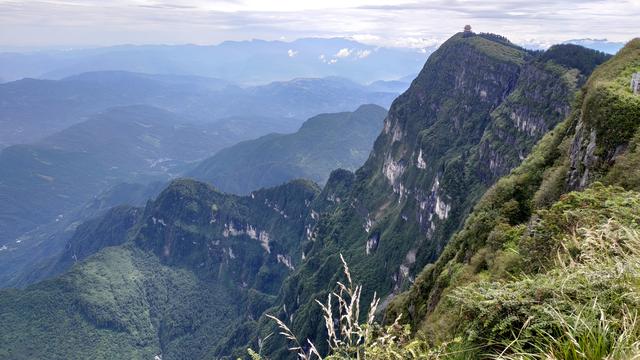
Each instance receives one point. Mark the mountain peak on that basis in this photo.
(496, 46)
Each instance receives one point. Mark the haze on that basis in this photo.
(416, 24)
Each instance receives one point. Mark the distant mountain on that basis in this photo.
(31, 109)
(323, 143)
(390, 85)
(603, 45)
(248, 62)
(137, 143)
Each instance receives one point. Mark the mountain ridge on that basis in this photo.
(389, 219)
(323, 143)
(34, 109)
(419, 182)
(520, 225)
(233, 60)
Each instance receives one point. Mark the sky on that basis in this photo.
(418, 24)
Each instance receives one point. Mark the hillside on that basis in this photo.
(48, 250)
(136, 144)
(198, 270)
(476, 109)
(323, 143)
(195, 263)
(569, 212)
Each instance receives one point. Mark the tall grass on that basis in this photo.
(607, 327)
(585, 307)
(350, 337)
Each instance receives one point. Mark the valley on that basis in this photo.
(351, 197)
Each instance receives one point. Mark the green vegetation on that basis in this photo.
(200, 269)
(498, 47)
(610, 107)
(122, 303)
(573, 56)
(537, 271)
(348, 338)
(185, 272)
(438, 152)
(583, 304)
(323, 143)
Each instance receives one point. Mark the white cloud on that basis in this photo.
(292, 53)
(333, 61)
(343, 53)
(417, 24)
(365, 38)
(415, 42)
(363, 53)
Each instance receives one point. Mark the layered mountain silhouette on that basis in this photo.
(246, 62)
(32, 109)
(323, 143)
(193, 272)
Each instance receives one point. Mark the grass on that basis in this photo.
(601, 328)
(583, 305)
(348, 337)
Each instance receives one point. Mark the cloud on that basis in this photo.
(343, 53)
(415, 42)
(363, 54)
(332, 61)
(292, 53)
(417, 24)
(365, 37)
(166, 6)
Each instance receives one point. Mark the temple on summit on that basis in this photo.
(467, 31)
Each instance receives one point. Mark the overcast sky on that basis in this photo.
(73, 23)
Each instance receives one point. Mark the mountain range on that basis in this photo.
(604, 45)
(474, 112)
(323, 143)
(245, 62)
(32, 109)
(44, 180)
(193, 273)
(50, 186)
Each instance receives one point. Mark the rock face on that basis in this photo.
(183, 271)
(538, 103)
(199, 269)
(596, 144)
(605, 125)
(473, 113)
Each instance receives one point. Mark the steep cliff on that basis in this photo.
(473, 113)
(528, 235)
(187, 268)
